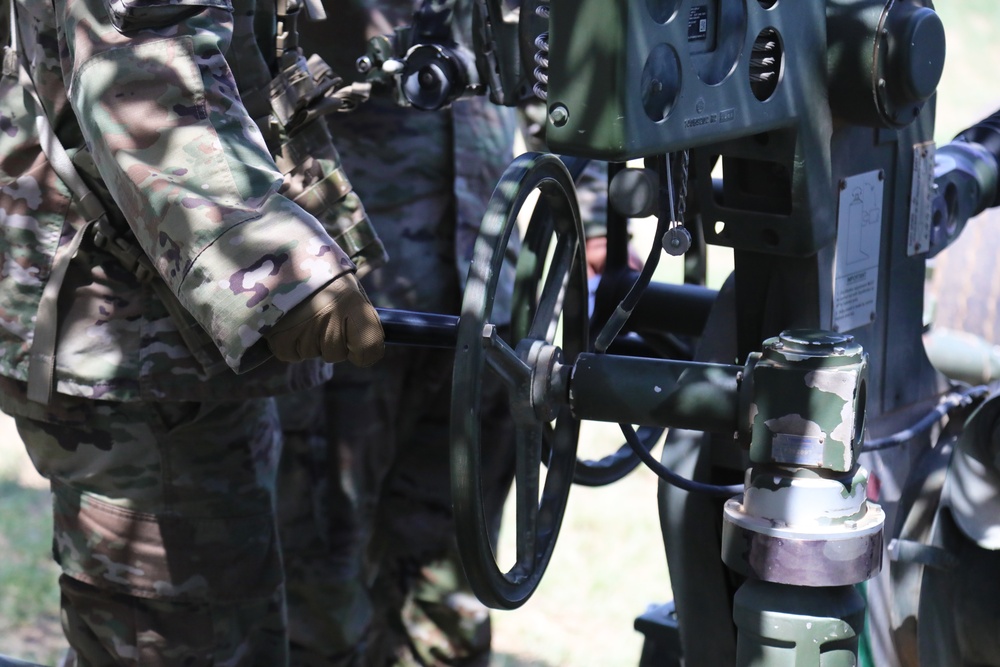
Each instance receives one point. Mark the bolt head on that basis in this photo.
(558, 115)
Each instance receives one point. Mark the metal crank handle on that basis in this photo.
(608, 388)
(407, 327)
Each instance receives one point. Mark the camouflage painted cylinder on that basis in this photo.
(807, 406)
(803, 528)
(804, 518)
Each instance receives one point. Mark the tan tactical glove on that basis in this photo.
(336, 323)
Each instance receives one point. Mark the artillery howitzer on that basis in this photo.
(800, 135)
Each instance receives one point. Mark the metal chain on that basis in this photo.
(677, 239)
(683, 191)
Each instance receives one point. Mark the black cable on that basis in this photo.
(614, 324)
(617, 320)
(663, 221)
(617, 465)
(947, 404)
(672, 478)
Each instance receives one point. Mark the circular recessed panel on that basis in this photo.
(662, 10)
(661, 82)
(716, 34)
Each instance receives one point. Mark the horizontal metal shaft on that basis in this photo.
(611, 388)
(679, 309)
(656, 392)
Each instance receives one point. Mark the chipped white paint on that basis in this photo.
(844, 431)
(839, 382)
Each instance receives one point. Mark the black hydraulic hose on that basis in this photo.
(948, 403)
(672, 478)
(986, 133)
(617, 465)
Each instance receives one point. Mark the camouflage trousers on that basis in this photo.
(163, 526)
(329, 611)
(390, 590)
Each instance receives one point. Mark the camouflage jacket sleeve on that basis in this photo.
(182, 158)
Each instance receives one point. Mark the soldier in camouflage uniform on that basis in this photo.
(374, 578)
(151, 247)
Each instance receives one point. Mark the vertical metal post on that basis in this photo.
(804, 532)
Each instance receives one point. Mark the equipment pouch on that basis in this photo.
(129, 15)
(316, 181)
(314, 177)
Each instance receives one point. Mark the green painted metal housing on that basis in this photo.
(809, 393)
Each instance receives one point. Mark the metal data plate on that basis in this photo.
(859, 239)
(921, 199)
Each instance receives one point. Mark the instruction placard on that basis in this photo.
(859, 235)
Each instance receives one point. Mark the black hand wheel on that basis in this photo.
(550, 324)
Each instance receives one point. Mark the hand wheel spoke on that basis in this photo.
(527, 471)
(550, 303)
(504, 360)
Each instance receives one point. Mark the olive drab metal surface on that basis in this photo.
(809, 401)
(635, 78)
(809, 108)
(805, 134)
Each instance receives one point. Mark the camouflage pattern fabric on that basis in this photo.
(393, 422)
(156, 127)
(163, 494)
(425, 178)
(164, 527)
(443, 618)
(329, 612)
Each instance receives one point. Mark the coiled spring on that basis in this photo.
(541, 86)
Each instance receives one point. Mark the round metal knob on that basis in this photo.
(914, 60)
(677, 241)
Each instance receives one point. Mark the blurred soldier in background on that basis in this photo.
(151, 247)
(373, 574)
(591, 194)
(368, 536)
